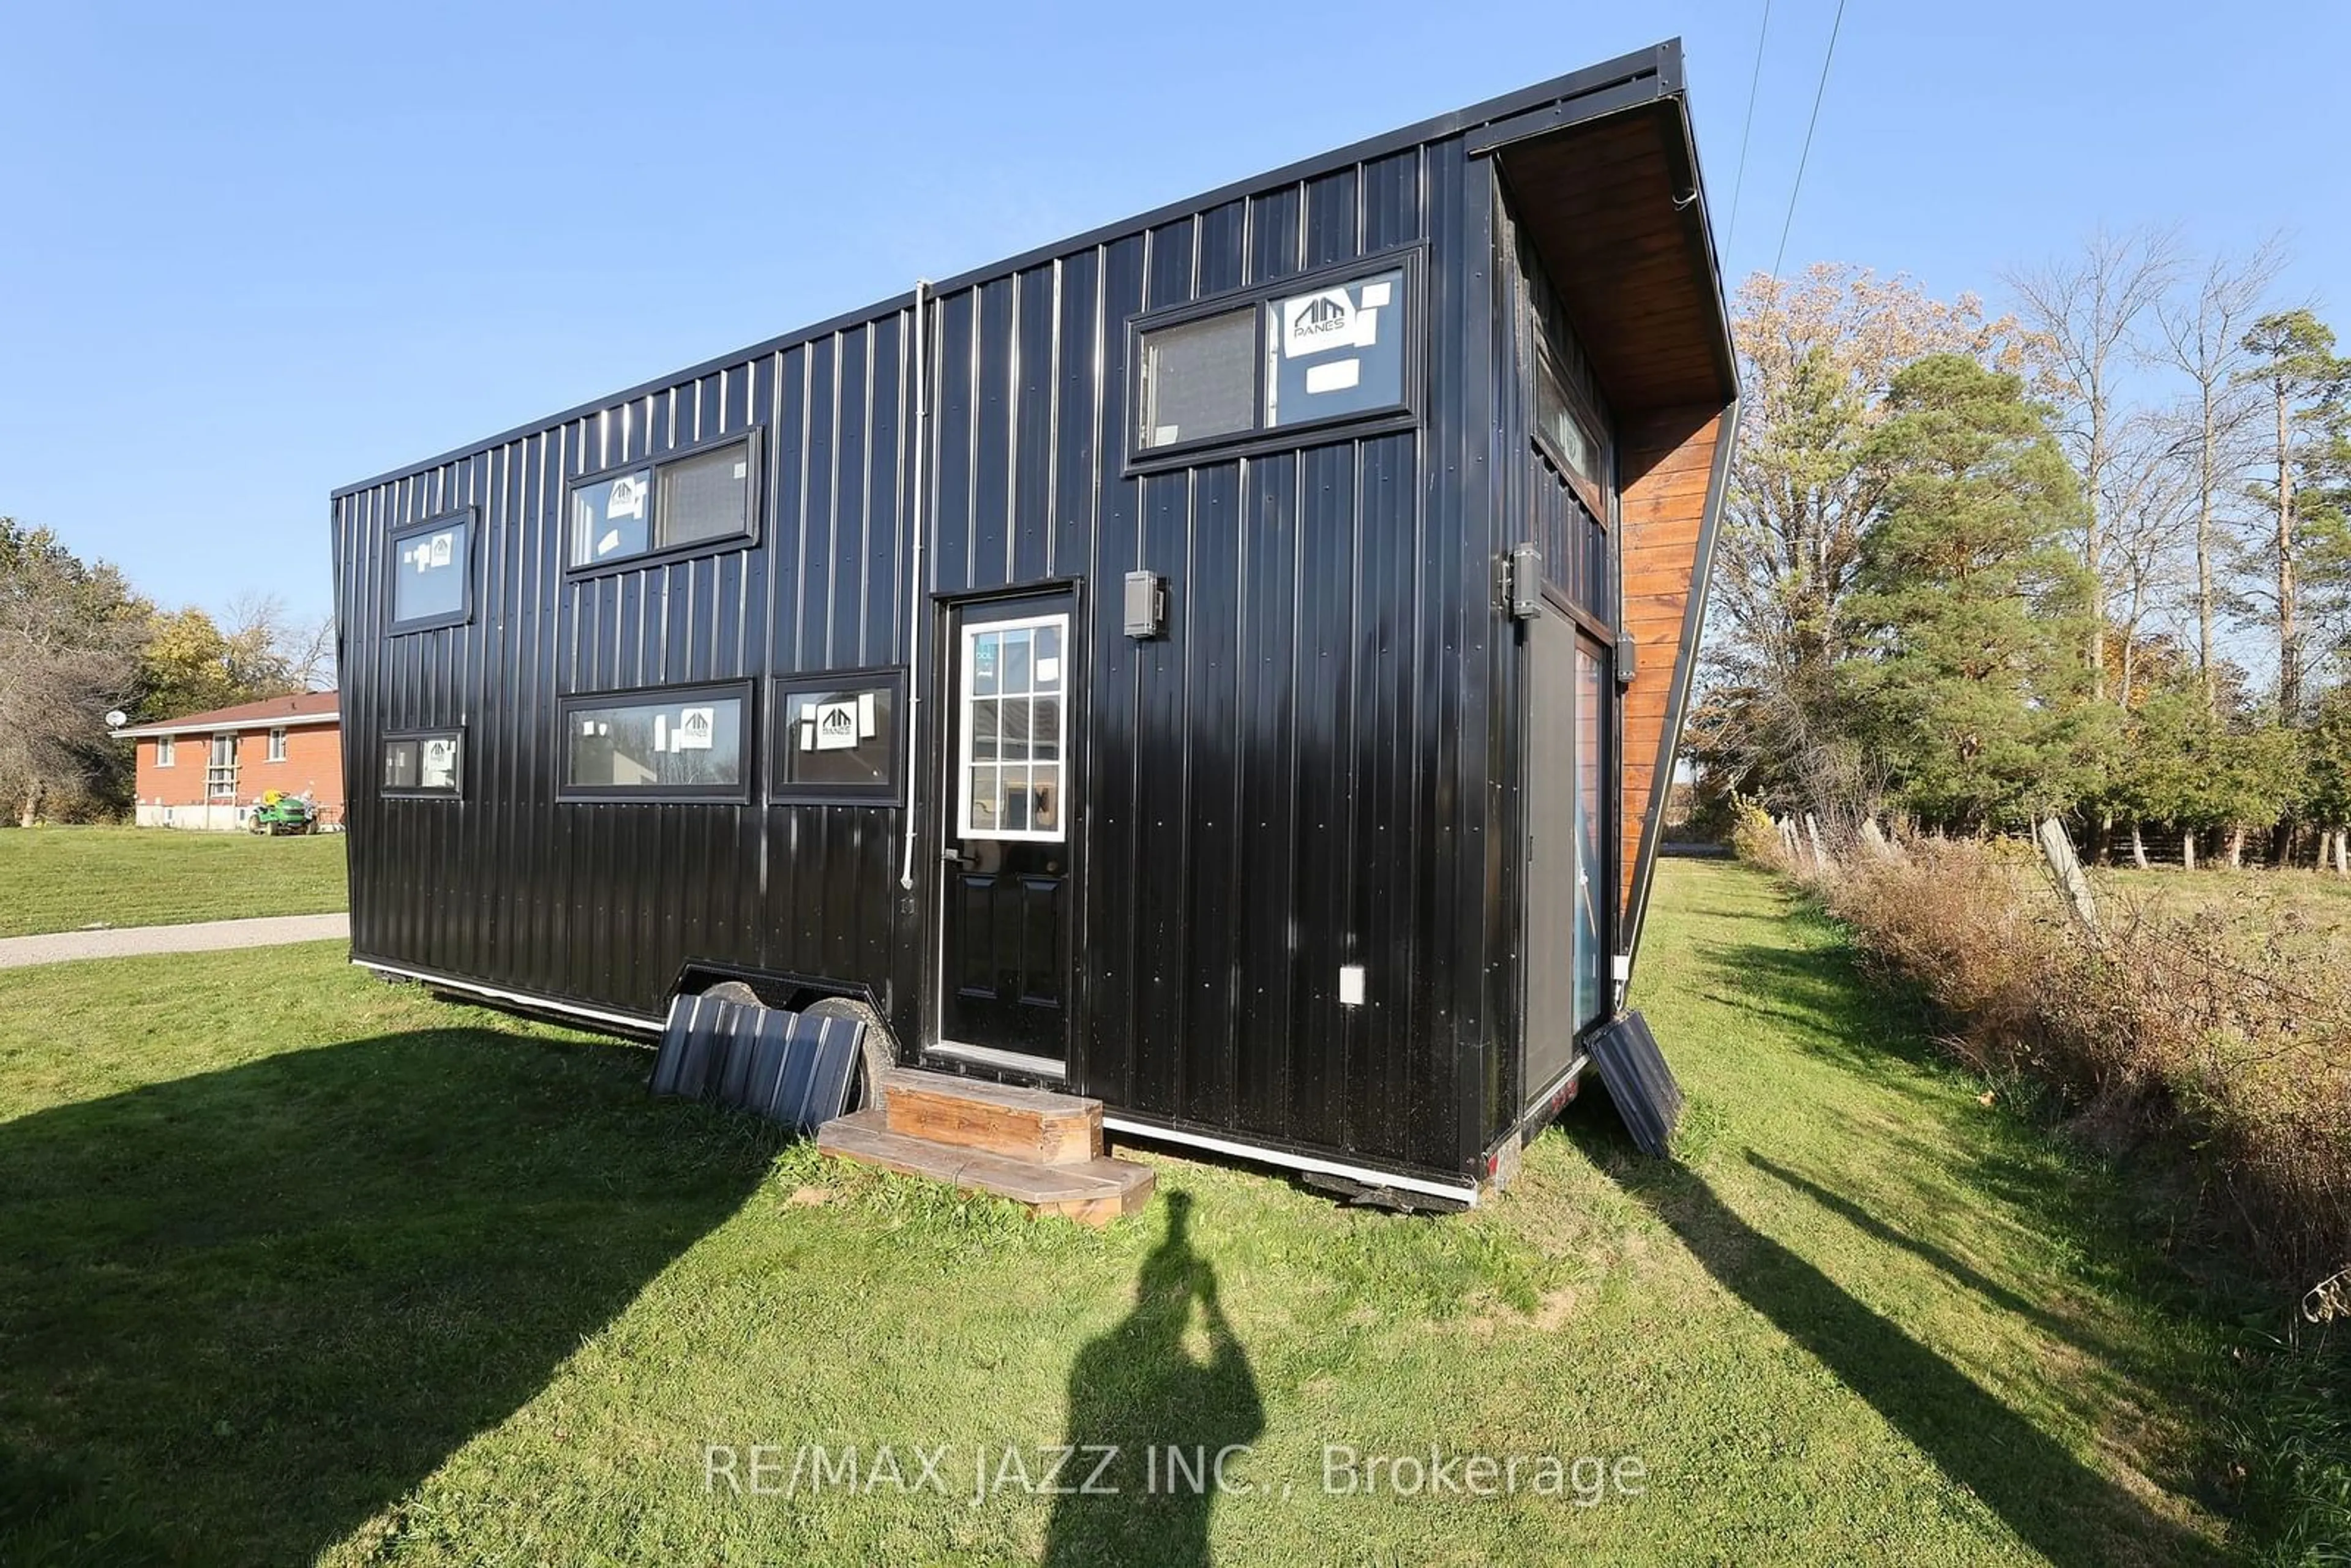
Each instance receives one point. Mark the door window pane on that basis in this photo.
(1012, 739)
(1592, 982)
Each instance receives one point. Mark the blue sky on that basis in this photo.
(252, 255)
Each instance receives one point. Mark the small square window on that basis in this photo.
(836, 736)
(432, 573)
(670, 504)
(1199, 379)
(427, 764)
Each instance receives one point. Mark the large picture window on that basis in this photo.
(432, 572)
(428, 763)
(678, 742)
(1015, 728)
(696, 498)
(836, 736)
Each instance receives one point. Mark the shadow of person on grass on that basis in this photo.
(1172, 1415)
(2069, 1513)
(242, 1313)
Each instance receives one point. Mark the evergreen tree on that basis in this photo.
(1972, 679)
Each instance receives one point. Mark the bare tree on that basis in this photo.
(2150, 492)
(2083, 314)
(273, 650)
(2203, 339)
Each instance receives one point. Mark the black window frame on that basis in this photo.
(751, 437)
(1260, 438)
(782, 689)
(471, 517)
(1597, 492)
(739, 793)
(455, 791)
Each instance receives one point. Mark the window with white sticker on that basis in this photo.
(699, 497)
(1015, 726)
(678, 741)
(1315, 351)
(1336, 351)
(836, 736)
(433, 574)
(424, 764)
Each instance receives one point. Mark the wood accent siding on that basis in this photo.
(1667, 461)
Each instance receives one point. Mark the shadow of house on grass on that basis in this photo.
(242, 1312)
(2061, 1507)
(1170, 1413)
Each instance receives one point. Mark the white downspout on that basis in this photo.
(915, 583)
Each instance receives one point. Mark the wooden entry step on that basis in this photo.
(1092, 1191)
(1033, 1124)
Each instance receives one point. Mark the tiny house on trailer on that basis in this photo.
(1227, 664)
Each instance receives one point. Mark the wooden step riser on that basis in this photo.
(1049, 1129)
(1091, 1192)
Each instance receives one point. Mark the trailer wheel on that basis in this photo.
(734, 991)
(881, 1047)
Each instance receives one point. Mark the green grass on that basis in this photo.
(295, 1265)
(63, 879)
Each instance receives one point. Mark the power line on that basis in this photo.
(1805, 156)
(1739, 185)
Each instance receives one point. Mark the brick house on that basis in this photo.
(209, 769)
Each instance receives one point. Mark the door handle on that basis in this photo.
(957, 857)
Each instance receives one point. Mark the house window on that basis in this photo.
(836, 736)
(428, 763)
(673, 504)
(220, 768)
(165, 751)
(277, 746)
(1336, 348)
(432, 573)
(1015, 728)
(684, 743)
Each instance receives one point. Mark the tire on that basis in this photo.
(735, 991)
(879, 1051)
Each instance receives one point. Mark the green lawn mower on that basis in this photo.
(281, 814)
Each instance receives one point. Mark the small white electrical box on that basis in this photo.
(1351, 984)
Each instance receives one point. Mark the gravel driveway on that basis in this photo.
(203, 937)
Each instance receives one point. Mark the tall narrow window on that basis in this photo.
(220, 771)
(166, 751)
(1592, 775)
(1015, 729)
(277, 745)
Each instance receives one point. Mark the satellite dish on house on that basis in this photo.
(117, 719)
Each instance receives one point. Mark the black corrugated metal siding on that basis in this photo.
(1316, 766)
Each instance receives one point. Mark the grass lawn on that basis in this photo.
(295, 1265)
(62, 879)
